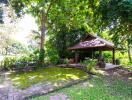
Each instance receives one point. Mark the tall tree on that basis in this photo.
(40, 10)
(72, 13)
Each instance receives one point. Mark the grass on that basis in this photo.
(46, 75)
(98, 88)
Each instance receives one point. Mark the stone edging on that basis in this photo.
(56, 88)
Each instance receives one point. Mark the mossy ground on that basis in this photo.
(46, 75)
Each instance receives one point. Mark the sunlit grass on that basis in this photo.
(46, 75)
(98, 88)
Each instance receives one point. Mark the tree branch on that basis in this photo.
(49, 8)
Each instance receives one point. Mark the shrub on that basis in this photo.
(9, 62)
(66, 61)
(108, 56)
(52, 56)
(41, 55)
(25, 58)
(17, 62)
(90, 64)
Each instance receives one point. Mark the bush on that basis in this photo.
(107, 56)
(90, 64)
(52, 56)
(17, 62)
(9, 62)
(41, 55)
(66, 61)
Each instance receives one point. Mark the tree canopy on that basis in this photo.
(62, 20)
(117, 17)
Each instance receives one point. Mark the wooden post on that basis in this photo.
(76, 57)
(113, 51)
(100, 53)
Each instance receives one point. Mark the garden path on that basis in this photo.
(9, 92)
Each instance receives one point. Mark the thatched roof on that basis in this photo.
(93, 43)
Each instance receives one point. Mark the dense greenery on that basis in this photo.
(59, 17)
(65, 23)
(117, 17)
(63, 39)
(10, 62)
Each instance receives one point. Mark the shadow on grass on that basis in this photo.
(99, 87)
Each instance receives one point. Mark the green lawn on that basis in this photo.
(98, 88)
(46, 75)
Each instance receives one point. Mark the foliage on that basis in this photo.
(59, 19)
(90, 63)
(18, 62)
(117, 17)
(18, 6)
(99, 87)
(7, 30)
(66, 61)
(108, 56)
(11, 46)
(9, 62)
(66, 22)
(54, 75)
(63, 39)
(33, 42)
(41, 55)
(116, 10)
(51, 54)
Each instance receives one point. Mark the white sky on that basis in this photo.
(25, 25)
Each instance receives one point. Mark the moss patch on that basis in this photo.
(46, 75)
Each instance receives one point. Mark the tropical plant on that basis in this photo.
(90, 64)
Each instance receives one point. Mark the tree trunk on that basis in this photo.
(43, 19)
(42, 38)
